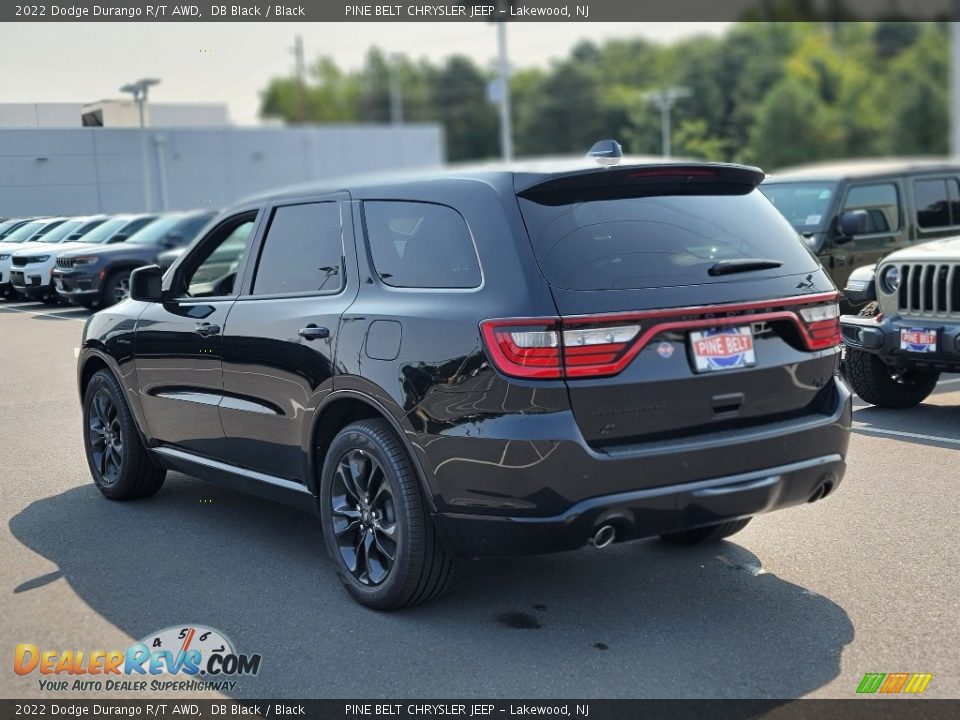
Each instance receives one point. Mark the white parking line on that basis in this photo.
(76, 352)
(54, 313)
(863, 427)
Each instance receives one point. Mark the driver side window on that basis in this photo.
(214, 272)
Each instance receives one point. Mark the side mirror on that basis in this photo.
(116, 239)
(853, 223)
(146, 284)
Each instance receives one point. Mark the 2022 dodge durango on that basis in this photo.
(477, 363)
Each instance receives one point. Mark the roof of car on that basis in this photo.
(844, 169)
(534, 170)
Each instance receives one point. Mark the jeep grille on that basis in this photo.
(65, 263)
(930, 290)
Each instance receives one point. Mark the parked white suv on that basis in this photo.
(31, 266)
(35, 230)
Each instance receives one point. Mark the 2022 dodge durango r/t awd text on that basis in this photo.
(481, 363)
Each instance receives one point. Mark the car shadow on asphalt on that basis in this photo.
(634, 620)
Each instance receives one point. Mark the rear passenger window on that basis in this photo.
(421, 245)
(881, 203)
(303, 251)
(937, 203)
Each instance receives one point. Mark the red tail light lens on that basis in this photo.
(599, 346)
(544, 348)
(524, 348)
(821, 326)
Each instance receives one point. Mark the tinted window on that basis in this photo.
(420, 245)
(936, 203)
(302, 252)
(881, 203)
(660, 241)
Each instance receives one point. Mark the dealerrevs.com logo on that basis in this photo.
(188, 657)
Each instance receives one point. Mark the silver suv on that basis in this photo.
(898, 346)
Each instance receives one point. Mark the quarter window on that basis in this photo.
(938, 202)
(421, 245)
(881, 203)
(303, 251)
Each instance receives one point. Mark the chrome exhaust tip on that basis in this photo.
(604, 536)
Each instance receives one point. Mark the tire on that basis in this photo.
(115, 289)
(119, 463)
(367, 455)
(879, 384)
(708, 534)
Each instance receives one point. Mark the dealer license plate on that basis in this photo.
(722, 349)
(918, 340)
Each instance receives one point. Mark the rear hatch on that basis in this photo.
(686, 302)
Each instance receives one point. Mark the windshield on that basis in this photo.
(805, 204)
(101, 234)
(61, 232)
(659, 241)
(154, 232)
(23, 232)
(84, 228)
(9, 226)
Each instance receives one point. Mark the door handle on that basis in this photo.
(206, 329)
(312, 332)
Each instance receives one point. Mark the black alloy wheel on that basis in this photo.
(376, 524)
(121, 467)
(365, 517)
(105, 437)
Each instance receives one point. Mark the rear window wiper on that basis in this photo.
(728, 267)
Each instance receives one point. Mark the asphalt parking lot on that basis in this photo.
(802, 603)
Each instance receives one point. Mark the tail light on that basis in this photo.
(524, 348)
(549, 348)
(553, 348)
(821, 326)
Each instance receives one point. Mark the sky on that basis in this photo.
(232, 62)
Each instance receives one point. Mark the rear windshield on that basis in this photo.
(660, 241)
(805, 204)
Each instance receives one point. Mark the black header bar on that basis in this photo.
(873, 708)
(477, 11)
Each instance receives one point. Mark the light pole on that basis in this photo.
(506, 130)
(664, 98)
(139, 91)
(396, 89)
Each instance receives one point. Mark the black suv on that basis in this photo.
(482, 363)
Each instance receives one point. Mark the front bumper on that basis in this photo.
(76, 286)
(27, 284)
(883, 339)
(532, 497)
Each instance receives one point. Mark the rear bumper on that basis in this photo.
(537, 496)
(883, 339)
(645, 513)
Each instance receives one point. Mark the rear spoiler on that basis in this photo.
(639, 181)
